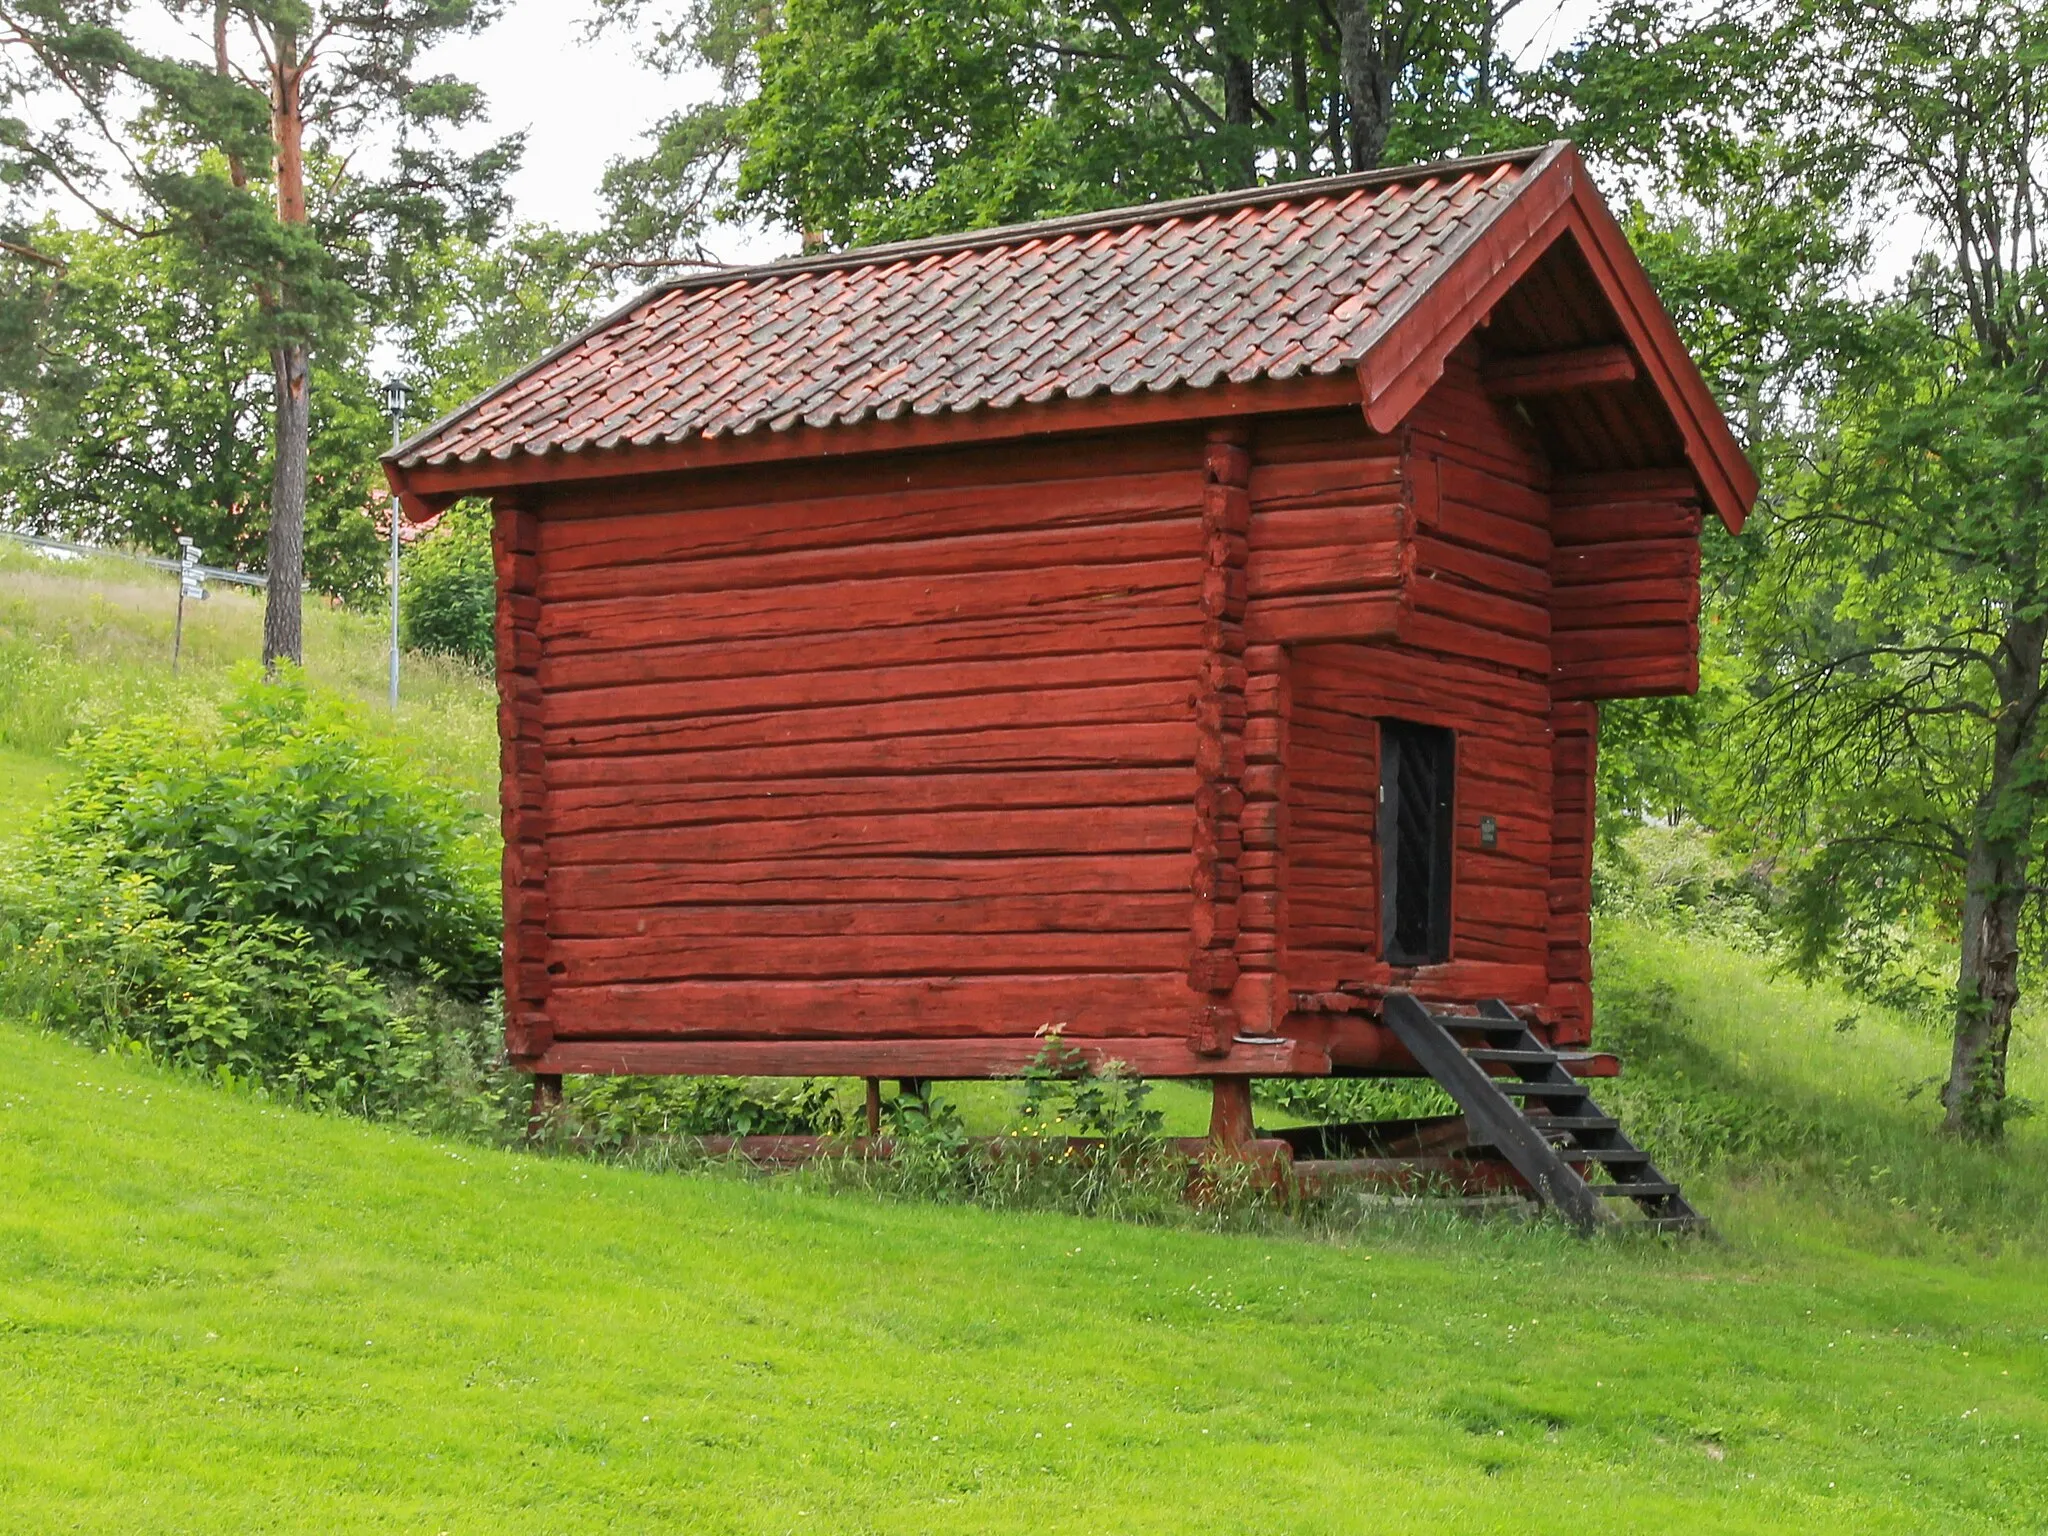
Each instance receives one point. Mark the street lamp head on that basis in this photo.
(397, 396)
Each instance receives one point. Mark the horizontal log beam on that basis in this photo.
(1147, 1056)
(794, 1151)
(1555, 373)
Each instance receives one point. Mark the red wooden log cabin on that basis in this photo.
(1179, 625)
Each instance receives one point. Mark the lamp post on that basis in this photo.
(397, 395)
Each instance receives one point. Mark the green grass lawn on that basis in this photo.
(220, 1315)
(26, 782)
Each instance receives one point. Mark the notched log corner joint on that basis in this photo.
(1219, 740)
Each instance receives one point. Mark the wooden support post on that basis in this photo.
(1230, 1114)
(874, 1106)
(547, 1103)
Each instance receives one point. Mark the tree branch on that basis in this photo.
(30, 253)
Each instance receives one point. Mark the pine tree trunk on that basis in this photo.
(1994, 892)
(290, 364)
(286, 560)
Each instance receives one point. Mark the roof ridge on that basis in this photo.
(1131, 214)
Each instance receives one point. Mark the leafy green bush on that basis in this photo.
(1346, 1100)
(612, 1113)
(447, 596)
(89, 949)
(254, 892)
(277, 809)
(1064, 1095)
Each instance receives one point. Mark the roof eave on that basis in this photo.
(425, 489)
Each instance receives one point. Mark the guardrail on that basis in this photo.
(210, 572)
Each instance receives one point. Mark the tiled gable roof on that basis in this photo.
(1271, 283)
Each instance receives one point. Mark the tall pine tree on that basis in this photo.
(234, 145)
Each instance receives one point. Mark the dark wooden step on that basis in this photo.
(1482, 1026)
(1542, 1090)
(1512, 1058)
(1634, 1191)
(1606, 1154)
(1495, 1119)
(1574, 1123)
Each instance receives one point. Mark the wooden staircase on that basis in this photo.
(1518, 1098)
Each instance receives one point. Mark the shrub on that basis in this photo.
(253, 892)
(277, 810)
(89, 949)
(447, 597)
(614, 1113)
(1064, 1095)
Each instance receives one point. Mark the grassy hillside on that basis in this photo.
(84, 641)
(218, 1315)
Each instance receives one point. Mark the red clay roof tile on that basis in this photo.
(1263, 284)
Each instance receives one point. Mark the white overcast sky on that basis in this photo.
(581, 104)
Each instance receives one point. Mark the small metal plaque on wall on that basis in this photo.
(1489, 832)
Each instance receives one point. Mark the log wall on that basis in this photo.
(906, 751)
(1441, 541)
(522, 793)
(889, 764)
(1447, 576)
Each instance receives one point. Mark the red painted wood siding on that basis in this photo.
(1445, 534)
(898, 751)
(1448, 578)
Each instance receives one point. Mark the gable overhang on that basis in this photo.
(1401, 358)
(1405, 354)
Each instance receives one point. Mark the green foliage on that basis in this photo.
(863, 120)
(480, 312)
(1064, 1095)
(617, 1114)
(87, 643)
(278, 809)
(244, 150)
(448, 591)
(1343, 1100)
(90, 949)
(139, 412)
(1738, 1079)
(256, 893)
(1674, 878)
